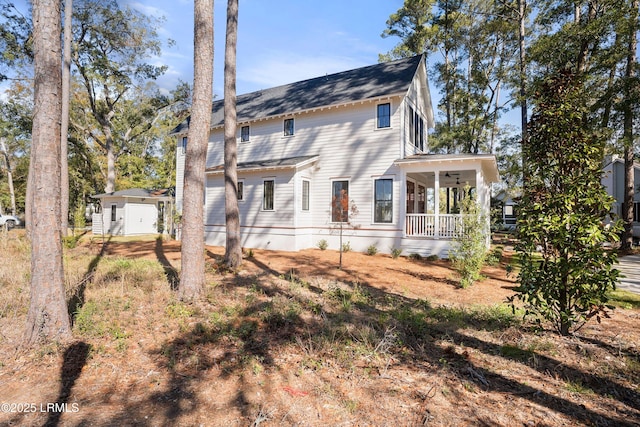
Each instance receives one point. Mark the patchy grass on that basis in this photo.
(624, 299)
(290, 340)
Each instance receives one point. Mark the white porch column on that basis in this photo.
(403, 201)
(436, 204)
(484, 201)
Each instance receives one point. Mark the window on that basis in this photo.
(244, 134)
(305, 195)
(268, 195)
(384, 115)
(240, 190)
(508, 210)
(412, 138)
(113, 213)
(288, 127)
(421, 134)
(636, 212)
(383, 200)
(340, 201)
(183, 146)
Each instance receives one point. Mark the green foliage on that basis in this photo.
(563, 211)
(372, 250)
(395, 252)
(346, 247)
(322, 244)
(469, 249)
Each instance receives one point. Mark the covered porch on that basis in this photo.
(434, 186)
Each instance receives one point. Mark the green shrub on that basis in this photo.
(372, 250)
(415, 256)
(322, 244)
(469, 249)
(432, 257)
(395, 252)
(346, 247)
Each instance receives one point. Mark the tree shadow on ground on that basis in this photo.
(274, 311)
(77, 299)
(74, 359)
(173, 278)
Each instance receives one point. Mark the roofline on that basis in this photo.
(105, 195)
(307, 110)
(267, 168)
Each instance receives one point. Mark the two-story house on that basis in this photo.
(361, 134)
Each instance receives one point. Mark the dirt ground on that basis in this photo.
(289, 339)
(417, 279)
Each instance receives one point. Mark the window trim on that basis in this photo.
(264, 193)
(183, 145)
(378, 116)
(242, 140)
(334, 180)
(306, 207)
(374, 200)
(284, 127)
(240, 194)
(114, 212)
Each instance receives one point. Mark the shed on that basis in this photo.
(134, 212)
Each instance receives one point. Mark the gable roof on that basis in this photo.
(138, 193)
(374, 81)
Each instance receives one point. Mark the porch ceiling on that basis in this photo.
(452, 163)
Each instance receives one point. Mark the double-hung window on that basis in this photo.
(268, 195)
(244, 134)
(240, 190)
(340, 201)
(184, 145)
(305, 195)
(288, 127)
(383, 200)
(384, 115)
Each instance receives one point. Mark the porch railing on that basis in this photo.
(424, 225)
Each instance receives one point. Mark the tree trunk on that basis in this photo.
(12, 193)
(629, 179)
(66, 82)
(47, 318)
(522, 11)
(111, 161)
(233, 248)
(192, 277)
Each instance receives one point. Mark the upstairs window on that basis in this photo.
(384, 115)
(183, 145)
(288, 127)
(412, 137)
(244, 134)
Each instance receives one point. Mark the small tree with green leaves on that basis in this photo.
(343, 212)
(469, 250)
(566, 271)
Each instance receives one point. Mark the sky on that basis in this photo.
(279, 41)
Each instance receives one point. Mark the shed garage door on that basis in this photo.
(141, 218)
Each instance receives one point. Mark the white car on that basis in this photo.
(9, 221)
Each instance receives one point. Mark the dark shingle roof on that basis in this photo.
(137, 192)
(334, 89)
(287, 163)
